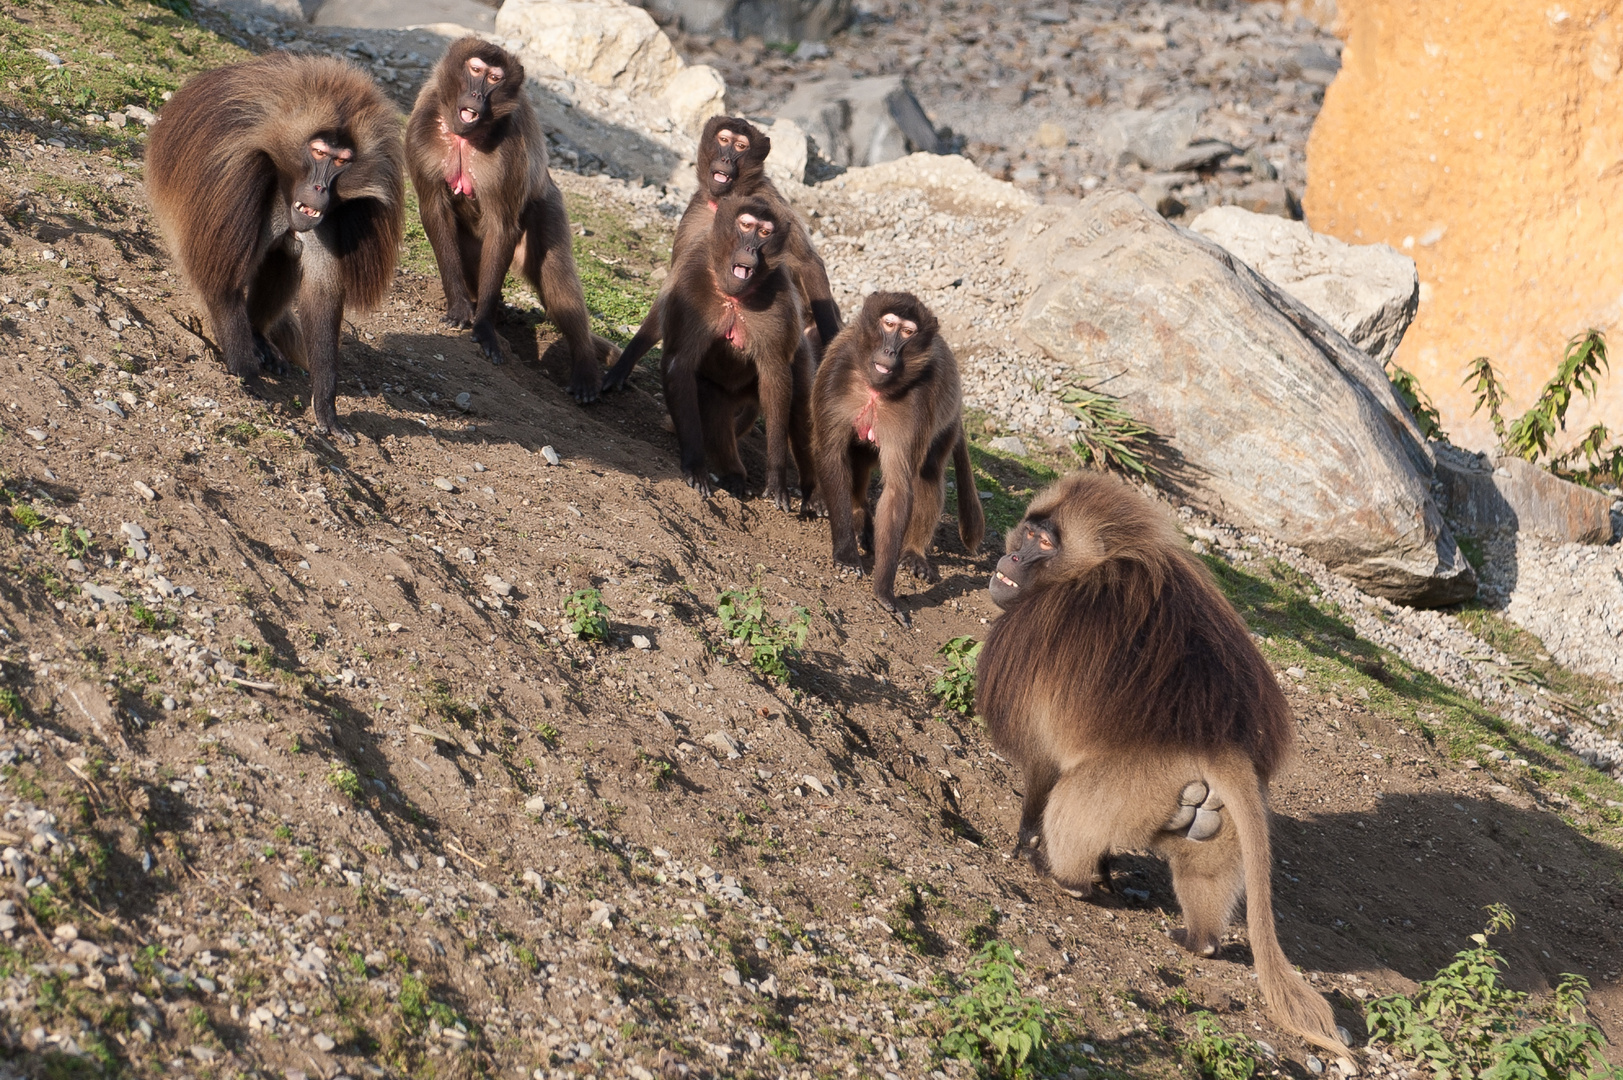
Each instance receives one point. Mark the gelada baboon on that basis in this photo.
(734, 348)
(479, 164)
(887, 393)
(1129, 692)
(732, 161)
(277, 180)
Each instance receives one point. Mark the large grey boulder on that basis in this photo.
(1272, 419)
(392, 14)
(1483, 496)
(1369, 292)
(282, 10)
(857, 122)
(771, 20)
(618, 48)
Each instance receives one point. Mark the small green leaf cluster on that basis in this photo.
(1597, 456)
(1219, 1054)
(587, 615)
(74, 543)
(1417, 401)
(771, 644)
(956, 686)
(345, 782)
(1464, 1024)
(994, 1024)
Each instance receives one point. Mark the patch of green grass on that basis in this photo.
(659, 771)
(417, 1007)
(587, 615)
(113, 53)
(11, 704)
(956, 686)
(1302, 630)
(614, 261)
(345, 782)
(1465, 1022)
(439, 701)
(1011, 480)
(149, 619)
(417, 256)
(1530, 659)
(771, 644)
(27, 518)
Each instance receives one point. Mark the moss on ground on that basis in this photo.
(111, 53)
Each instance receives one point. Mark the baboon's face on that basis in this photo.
(1033, 544)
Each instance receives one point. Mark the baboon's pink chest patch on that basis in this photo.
(458, 163)
(867, 420)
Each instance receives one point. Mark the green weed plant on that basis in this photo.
(993, 1024)
(1597, 456)
(1109, 437)
(1219, 1054)
(956, 686)
(771, 644)
(587, 614)
(1464, 1024)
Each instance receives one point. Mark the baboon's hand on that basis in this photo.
(458, 314)
(698, 480)
(493, 344)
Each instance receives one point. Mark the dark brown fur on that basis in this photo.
(514, 218)
(733, 351)
(749, 180)
(1117, 675)
(221, 165)
(912, 421)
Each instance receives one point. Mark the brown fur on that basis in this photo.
(915, 418)
(514, 219)
(221, 164)
(749, 180)
(714, 386)
(1118, 675)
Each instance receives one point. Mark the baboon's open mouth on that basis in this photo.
(882, 369)
(721, 178)
(309, 212)
(742, 272)
(468, 115)
(1006, 580)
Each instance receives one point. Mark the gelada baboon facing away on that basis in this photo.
(734, 348)
(479, 165)
(732, 161)
(1129, 692)
(887, 393)
(275, 181)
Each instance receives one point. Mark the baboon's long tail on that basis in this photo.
(971, 518)
(1295, 1005)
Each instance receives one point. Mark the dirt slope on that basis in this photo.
(331, 792)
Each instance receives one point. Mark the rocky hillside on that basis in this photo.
(313, 763)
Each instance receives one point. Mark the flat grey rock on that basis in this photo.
(393, 14)
(1507, 494)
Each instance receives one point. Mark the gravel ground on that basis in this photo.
(1028, 87)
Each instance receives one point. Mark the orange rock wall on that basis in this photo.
(1485, 139)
